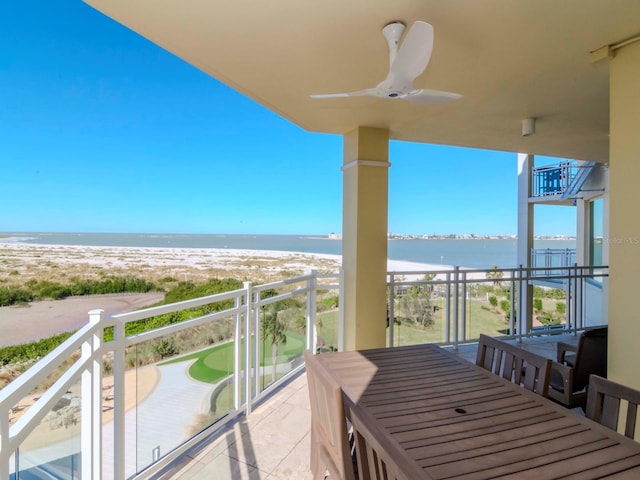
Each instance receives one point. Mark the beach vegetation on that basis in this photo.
(537, 304)
(34, 290)
(14, 296)
(31, 351)
(415, 306)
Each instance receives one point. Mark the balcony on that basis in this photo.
(274, 442)
(119, 400)
(561, 182)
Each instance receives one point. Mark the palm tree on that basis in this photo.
(273, 330)
(496, 275)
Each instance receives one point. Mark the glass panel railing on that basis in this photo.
(52, 449)
(178, 380)
(419, 311)
(327, 330)
(485, 308)
(281, 338)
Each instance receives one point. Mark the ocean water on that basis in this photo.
(470, 253)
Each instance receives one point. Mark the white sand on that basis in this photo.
(22, 261)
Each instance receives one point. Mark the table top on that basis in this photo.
(459, 421)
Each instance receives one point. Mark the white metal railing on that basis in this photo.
(553, 257)
(461, 306)
(100, 447)
(564, 179)
(552, 179)
(131, 445)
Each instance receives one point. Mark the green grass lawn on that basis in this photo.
(213, 364)
(478, 320)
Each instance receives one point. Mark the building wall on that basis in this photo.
(624, 218)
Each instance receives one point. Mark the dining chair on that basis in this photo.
(379, 456)
(515, 364)
(604, 401)
(330, 450)
(575, 363)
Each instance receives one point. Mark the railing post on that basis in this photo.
(520, 313)
(390, 322)
(447, 309)
(512, 291)
(257, 341)
(119, 344)
(247, 344)
(341, 306)
(237, 353)
(311, 310)
(5, 454)
(455, 306)
(91, 406)
(463, 295)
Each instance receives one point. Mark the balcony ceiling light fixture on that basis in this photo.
(528, 127)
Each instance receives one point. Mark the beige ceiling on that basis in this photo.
(511, 59)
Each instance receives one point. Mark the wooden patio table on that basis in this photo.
(458, 421)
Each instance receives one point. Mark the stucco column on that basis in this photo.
(364, 237)
(624, 219)
(525, 235)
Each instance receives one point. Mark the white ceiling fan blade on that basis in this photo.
(359, 93)
(431, 97)
(414, 54)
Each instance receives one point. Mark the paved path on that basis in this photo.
(161, 420)
(22, 324)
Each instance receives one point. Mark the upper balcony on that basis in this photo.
(130, 395)
(559, 183)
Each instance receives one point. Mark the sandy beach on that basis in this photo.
(21, 262)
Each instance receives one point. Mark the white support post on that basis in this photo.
(311, 310)
(463, 296)
(247, 345)
(257, 341)
(519, 306)
(341, 316)
(447, 309)
(5, 454)
(119, 392)
(525, 238)
(456, 292)
(237, 355)
(91, 398)
(390, 312)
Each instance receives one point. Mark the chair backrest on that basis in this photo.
(329, 439)
(380, 457)
(603, 404)
(591, 357)
(519, 366)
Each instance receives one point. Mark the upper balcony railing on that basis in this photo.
(120, 400)
(563, 179)
(548, 258)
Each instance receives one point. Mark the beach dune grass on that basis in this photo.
(216, 363)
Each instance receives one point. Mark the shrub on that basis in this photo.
(493, 301)
(561, 308)
(537, 304)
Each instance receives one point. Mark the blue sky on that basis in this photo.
(102, 131)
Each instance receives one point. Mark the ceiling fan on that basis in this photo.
(406, 63)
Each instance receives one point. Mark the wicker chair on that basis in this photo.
(570, 374)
